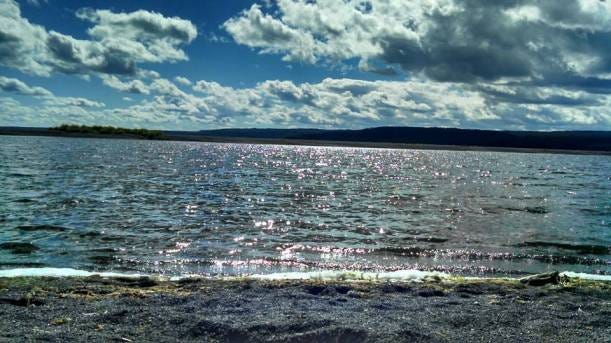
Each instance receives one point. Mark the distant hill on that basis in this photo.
(554, 140)
(262, 133)
(566, 140)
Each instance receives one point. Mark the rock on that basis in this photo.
(24, 301)
(143, 281)
(430, 292)
(314, 289)
(329, 291)
(541, 279)
(355, 294)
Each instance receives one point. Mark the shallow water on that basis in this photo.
(197, 208)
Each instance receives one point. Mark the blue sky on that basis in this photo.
(536, 65)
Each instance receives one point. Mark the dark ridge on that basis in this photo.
(578, 140)
(599, 141)
(580, 248)
(573, 140)
(262, 133)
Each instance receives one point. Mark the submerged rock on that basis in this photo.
(541, 279)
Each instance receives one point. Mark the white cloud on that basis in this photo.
(18, 87)
(258, 30)
(334, 29)
(22, 44)
(118, 42)
(71, 102)
(445, 40)
(505, 64)
(130, 86)
(183, 81)
(144, 36)
(332, 103)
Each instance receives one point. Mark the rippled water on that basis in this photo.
(179, 207)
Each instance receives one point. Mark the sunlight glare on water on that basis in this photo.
(183, 208)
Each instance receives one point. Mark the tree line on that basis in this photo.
(109, 130)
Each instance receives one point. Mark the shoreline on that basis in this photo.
(304, 142)
(143, 309)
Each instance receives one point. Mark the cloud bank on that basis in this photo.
(511, 64)
(538, 41)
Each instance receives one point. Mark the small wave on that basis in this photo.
(24, 201)
(43, 227)
(585, 276)
(19, 247)
(476, 255)
(580, 248)
(400, 275)
(408, 275)
(59, 272)
(528, 209)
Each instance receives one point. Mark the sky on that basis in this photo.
(206, 64)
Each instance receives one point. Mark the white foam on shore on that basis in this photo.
(59, 272)
(585, 276)
(355, 276)
(398, 276)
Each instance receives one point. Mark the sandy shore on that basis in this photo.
(124, 310)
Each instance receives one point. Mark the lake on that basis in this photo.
(176, 208)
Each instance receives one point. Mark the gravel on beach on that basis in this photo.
(145, 310)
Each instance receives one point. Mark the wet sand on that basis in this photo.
(139, 310)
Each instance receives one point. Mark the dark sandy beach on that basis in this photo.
(127, 310)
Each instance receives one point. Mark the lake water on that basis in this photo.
(178, 208)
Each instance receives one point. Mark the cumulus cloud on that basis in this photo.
(117, 42)
(183, 81)
(445, 40)
(333, 103)
(22, 44)
(359, 103)
(18, 87)
(47, 99)
(142, 35)
(515, 64)
(72, 102)
(129, 86)
(259, 30)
